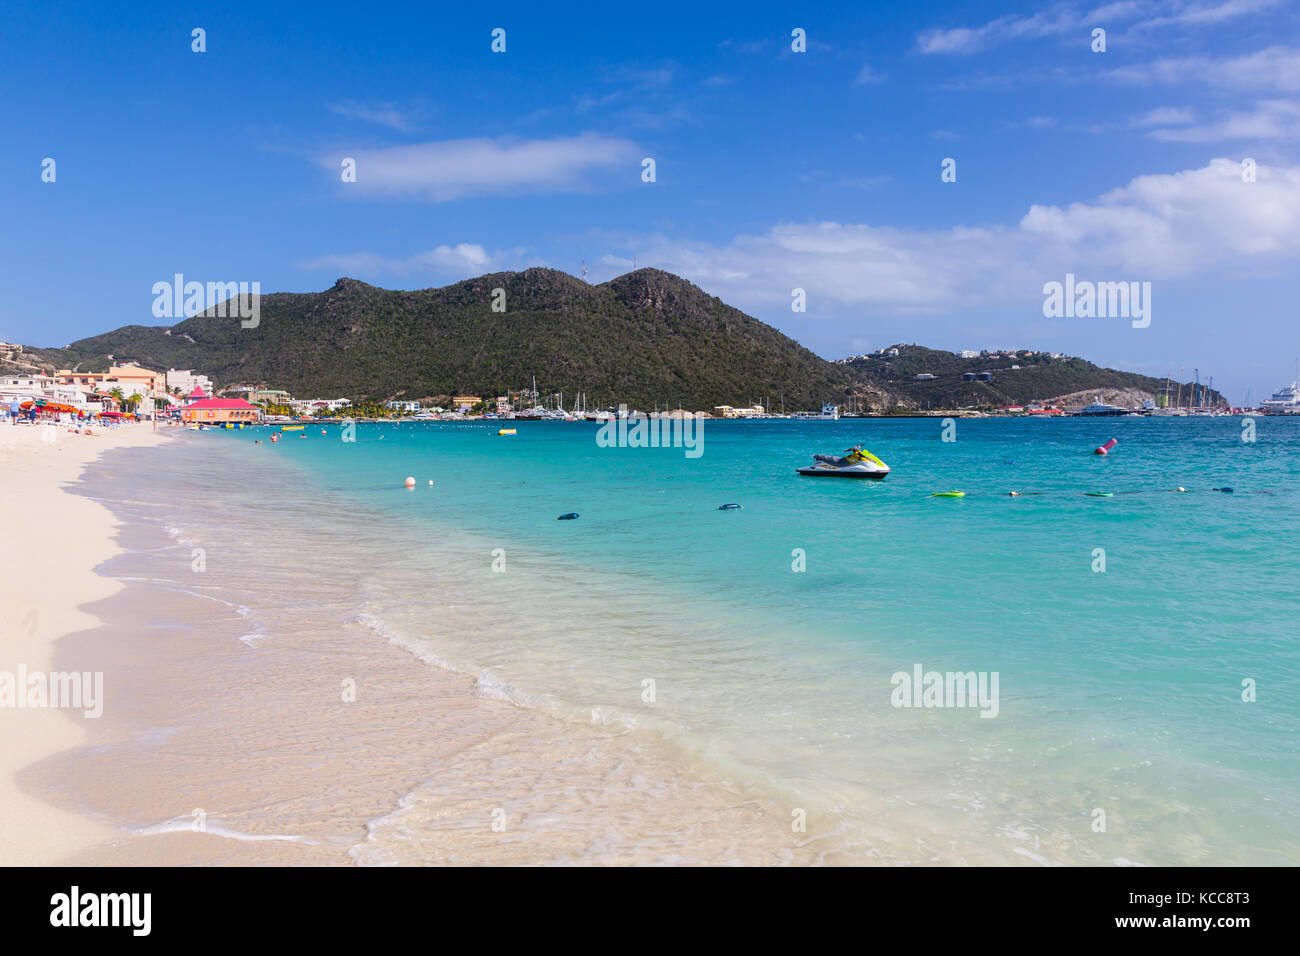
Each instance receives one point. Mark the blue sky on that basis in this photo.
(775, 169)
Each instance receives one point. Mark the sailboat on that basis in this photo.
(535, 410)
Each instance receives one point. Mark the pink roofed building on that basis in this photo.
(217, 410)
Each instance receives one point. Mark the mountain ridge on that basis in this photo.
(646, 338)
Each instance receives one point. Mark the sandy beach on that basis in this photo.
(222, 747)
(48, 572)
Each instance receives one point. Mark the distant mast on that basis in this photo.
(584, 270)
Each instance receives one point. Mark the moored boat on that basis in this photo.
(1285, 401)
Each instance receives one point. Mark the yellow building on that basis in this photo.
(131, 378)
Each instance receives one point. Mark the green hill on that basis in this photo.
(647, 338)
(1038, 377)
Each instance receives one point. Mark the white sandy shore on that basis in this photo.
(262, 745)
(406, 773)
(54, 541)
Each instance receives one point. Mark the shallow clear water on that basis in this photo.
(1120, 691)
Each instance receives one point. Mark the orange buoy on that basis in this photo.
(410, 482)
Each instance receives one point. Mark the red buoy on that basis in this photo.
(1105, 449)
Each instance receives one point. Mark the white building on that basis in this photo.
(969, 353)
(27, 385)
(187, 380)
(405, 407)
(32, 385)
(310, 406)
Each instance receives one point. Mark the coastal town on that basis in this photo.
(128, 391)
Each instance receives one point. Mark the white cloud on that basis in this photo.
(1160, 227)
(867, 75)
(1202, 14)
(1164, 116)
(641, 78)
(1141, 15)
(1003, 29)
(454, 169)
(1171, 225)
(1274, 68)
(384, 114)
(461, 260)
(1164, 226)
(1269, 120)
(639, 96)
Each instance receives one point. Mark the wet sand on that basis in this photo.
(54, 541)
(217, 750)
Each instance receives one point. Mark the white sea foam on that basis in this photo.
(186, 824)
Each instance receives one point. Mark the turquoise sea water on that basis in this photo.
(1120, 691)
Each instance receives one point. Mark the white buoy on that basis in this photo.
(430, 482)
(410, 482)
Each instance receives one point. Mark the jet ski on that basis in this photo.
(856, 462)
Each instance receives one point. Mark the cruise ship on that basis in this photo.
(1285, 401)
